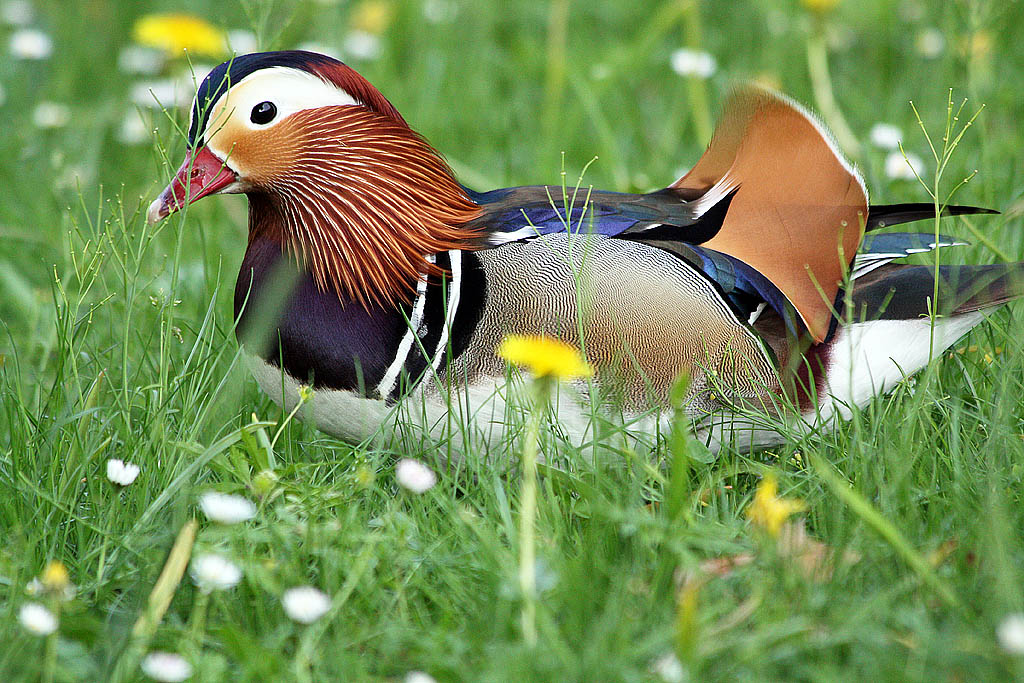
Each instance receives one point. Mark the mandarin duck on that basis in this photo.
(375, 277)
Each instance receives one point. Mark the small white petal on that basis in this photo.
(242, 42)
(361, 45)
(226, 508)
(886, 136)
(419, 677)
(898, 168)
(214, 572)
(687, 62)
(166, 667)
(1011, 633)
(120, 472)
(30, 43)
(305, 604)
(414, 475)
(668, 668)
(37, 619)
(17, 12)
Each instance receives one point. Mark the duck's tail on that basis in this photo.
(888, 215)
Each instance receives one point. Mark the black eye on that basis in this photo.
(264, 112)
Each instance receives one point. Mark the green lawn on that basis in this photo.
(117, 342)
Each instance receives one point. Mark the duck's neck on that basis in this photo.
(316, 336)
(362, 201)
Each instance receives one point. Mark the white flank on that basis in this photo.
(872, 357)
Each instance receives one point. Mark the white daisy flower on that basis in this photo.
(305, 604)
(898, 168)
(361, 45)
(930, 43)
(37, 619)
(668, 668)
(191, 76)
(226, 508)
(134, 129)
(687, 62)
(30, 43)
(120, 472)
(439, 11)
(141, 60)
(48, 115)
(166, 667)
(414, 475)
(886, 136)
(419, 677)
(1011, 633)
(17, 12)
(600, 71)
(242, 42)
(214, 572)
(164, 92)
(322, 48)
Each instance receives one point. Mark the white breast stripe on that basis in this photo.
(455, 257)
(387, 382)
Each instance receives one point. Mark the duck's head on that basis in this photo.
(332, 171)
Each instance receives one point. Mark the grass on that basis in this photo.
(117, 342)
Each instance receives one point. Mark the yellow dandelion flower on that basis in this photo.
(175, 33)
(544, 356)
(372, 16)
(819, 6)
(55, 577)
(767, 511)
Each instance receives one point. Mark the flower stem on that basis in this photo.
(50, 658)
(699, 107)
(821, 83)
(528, 514)
(197, 622)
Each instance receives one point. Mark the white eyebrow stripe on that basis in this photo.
(291, 90)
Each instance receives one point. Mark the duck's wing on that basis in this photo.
(771, 213)
(771, 192)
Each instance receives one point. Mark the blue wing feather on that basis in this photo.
(663, 219)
